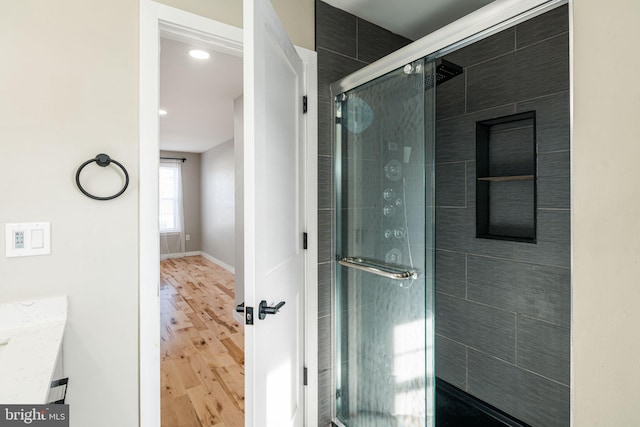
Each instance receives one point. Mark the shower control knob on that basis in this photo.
(398, 202)
(398, 233)
(393, 170)
(389, 210)
(389, 193)
(388, 234)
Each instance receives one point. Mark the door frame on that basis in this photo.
(157, 19)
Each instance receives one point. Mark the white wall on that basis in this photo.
(68, 91)
(238, 131)
(218, 203)
(606, 213)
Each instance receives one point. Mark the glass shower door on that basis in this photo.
(384, 330)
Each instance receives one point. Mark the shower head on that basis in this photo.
(445, 70)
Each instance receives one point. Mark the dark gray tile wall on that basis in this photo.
(344, 44)
(480, 326)
(529, 396)
(503, 308)
(451, 360)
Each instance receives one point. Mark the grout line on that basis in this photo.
(516, 260)
(537, 42)
(466, 189)
(482, 304)
(357, 38)
(547, 322)
(466, 368)
(452, 162)
(554, 151)
(343, 55)
(451, 251)
(466, 277)
(466, 85)
(548, 95)
(519, 367)
(515, 343)
(447, 294)
(451, 207)
(484, 110)
(493, 58)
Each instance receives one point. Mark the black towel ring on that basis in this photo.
(102, 160)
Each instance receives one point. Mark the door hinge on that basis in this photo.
(304, 104)
(304, 377)
(305, 241)
(248, 315)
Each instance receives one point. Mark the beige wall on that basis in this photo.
(298, 16)
(68, 91)
(606, 213)
(191, 199)
(218, 203)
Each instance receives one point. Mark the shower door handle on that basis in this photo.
(380, 268)
(265, 309)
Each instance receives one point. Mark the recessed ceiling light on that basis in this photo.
(162, 112)
(199, 54)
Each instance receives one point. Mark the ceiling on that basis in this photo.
(198, 97)
(410, 18)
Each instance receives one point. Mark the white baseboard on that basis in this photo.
(218, 262)
(202, 254)
(178, 255)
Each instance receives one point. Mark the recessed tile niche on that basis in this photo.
(506, 178)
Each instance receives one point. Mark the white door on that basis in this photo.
(274, 82)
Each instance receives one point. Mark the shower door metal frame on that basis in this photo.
(484, 22)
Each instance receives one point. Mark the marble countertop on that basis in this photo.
(31, 335)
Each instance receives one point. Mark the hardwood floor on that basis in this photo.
(202, 360)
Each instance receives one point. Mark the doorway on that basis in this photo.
(157, 20)
(202, 345)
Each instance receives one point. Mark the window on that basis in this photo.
(169, 180)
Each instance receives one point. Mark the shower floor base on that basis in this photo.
(454, 408)
(372, 419)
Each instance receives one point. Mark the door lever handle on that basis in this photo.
(240, 308)
(265, 309)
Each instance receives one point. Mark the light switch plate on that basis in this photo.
(28, 239)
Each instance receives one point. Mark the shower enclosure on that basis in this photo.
(383, 313)
(384, 329)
